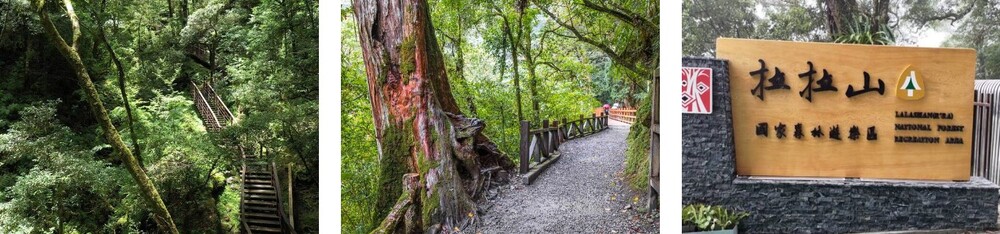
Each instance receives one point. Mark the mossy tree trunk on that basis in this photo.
(420, 131)
(121, 88)
(524, 41)
(69, 51)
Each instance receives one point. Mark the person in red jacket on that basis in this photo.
(606, 107)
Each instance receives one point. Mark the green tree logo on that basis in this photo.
(910, 85)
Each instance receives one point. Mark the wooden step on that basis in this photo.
(256, 181)
(258, 162)
(259, 177)
(260, 215)
(261, 202)
(259, 229)
(263, 209)
(260, 196)
(259, 191)
(266, 175)
(258, 186)
(258, 172)
(264, 222)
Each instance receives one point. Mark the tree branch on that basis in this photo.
(621, 60)
(75, 21)
(623, 15)
(121, 87)
(577, 34)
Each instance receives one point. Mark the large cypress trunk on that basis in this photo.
(424, 142)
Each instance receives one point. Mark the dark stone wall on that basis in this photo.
(821, 205)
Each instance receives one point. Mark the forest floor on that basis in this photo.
(583, 192)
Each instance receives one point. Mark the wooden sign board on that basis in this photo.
(911, 119)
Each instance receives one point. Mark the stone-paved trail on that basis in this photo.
(583, 192)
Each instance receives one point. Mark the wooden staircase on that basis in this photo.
(261, 203)
(260, 199)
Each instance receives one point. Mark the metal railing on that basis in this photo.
(985, 156)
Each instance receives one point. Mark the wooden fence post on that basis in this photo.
(291, 199)
(546, 137)
(593, 121)
(558, 139)
(564, 133)
(525, 128)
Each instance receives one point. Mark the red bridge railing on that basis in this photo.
(625, 115)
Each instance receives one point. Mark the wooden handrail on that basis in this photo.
(224, 109)
(546, 140)
(291, 199)
(276, 182)
(243, 176)
(200, 101)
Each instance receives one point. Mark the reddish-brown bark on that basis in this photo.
(419, 127)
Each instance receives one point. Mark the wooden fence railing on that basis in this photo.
(209, 119)
(582, 127)
(539, 148)
(625, 115)
(221, 111)
(654, 145)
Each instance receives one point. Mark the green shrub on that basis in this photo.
(637, 151)
(710, 218)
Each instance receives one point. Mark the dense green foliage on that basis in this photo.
(637, 152)
(57, 173)
(495, 51)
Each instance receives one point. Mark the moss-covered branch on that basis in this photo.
(121, 88)
(147, 189)
(403, 212)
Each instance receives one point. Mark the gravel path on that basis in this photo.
(583, 192)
